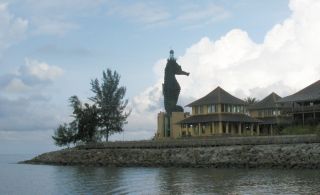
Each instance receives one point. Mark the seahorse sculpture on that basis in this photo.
(171, 88)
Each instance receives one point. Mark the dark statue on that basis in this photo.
(171, 88)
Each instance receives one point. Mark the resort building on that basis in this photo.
(305, 105)
(270, 113)
(218, 113)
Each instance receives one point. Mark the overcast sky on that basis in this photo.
(50, 50)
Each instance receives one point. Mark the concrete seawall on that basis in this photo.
(300, 152)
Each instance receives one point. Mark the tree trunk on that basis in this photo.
(107, 136)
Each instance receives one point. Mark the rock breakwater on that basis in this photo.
(301, 155)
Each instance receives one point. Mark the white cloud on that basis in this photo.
(146, 13)
(12, 28)
(53, 26)
(41, 70)
(154, 13)
(286, 61)
(198, 15)
(29, 114)
(56, 17)
(16, 85)
(60, 6)
(25, 105)
(29, 79)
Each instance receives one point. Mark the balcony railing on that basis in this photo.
(301, 109)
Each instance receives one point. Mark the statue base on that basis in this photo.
(168, 126)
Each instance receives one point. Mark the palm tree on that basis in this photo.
(250, 100)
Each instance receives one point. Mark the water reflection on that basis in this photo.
(41, 179)
(195, 181)
(98, 180)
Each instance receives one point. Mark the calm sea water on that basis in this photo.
(43, 179)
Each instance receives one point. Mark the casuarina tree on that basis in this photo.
(85, 120)
(110, 103)
(64, 135)
(83, 127)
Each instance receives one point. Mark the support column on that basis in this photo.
(220, 127)
(213, 130)
(292, 113)
(258, 129)
(271, 129)
(227, 127)
(251, 129)
(239, 129)
(199, 129)
(303, 114)
(187, 133)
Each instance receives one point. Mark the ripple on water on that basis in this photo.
(39, 179)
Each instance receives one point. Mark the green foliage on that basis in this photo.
(64, 135)
(85, 120)
(110, 103)
(300, 130)
(250, 100)
(82, 128)
(92, 122)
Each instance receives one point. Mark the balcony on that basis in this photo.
(303, 109)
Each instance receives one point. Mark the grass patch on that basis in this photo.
(300, 130)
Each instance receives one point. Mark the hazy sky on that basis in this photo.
(50, 50)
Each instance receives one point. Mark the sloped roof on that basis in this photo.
(217, 96)
(310, 93)
(268, 102)
(225, 117)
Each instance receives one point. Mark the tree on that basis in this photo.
(92, 122)
(64, 135)
(109, 99)
(250, 100)
(82, 128)
(85, 120)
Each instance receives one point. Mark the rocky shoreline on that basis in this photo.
(298, 155)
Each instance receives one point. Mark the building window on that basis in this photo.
(200, 109)
(212, 108)
(229, 108)
(276, 112)
(203, 129)
(241, 109)
(224, 128)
